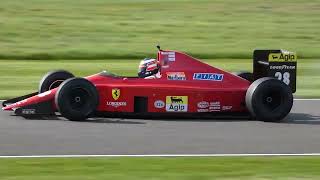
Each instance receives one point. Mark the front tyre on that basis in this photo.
(76, 99)
(269, 99)
(53, 79)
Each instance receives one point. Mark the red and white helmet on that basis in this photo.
(148, 67)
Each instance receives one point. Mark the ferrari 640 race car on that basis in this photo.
(185, 86)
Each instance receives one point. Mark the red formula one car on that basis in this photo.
(185, 86)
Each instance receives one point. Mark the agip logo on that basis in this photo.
(177, 103)
(282, 57)
(115, 93)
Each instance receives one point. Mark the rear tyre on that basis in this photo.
(269, 99)
(76, 99)
(53, 79)
(245, 75)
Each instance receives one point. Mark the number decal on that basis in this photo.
(285, 77)
(278, 75)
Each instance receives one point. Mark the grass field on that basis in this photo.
(109, 32)
(87, 36)
(108, 29)
(18, 77)
(279, 168)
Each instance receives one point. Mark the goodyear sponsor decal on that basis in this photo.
(281, 67)
(176, 76)
(208, 76)
(282, 57)
(177, 103)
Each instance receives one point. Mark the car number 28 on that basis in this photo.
(285, 77)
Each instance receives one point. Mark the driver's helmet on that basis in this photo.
(148, 67)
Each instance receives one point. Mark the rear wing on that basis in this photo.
(280, 64)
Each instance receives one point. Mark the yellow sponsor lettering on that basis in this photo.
(282, 57)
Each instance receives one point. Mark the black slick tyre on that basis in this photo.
(53, 79)
(245, 75)
(76, 99)
(269, 99)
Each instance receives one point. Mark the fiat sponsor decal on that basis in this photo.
(208, 76)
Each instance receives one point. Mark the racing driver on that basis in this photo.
(149, 69)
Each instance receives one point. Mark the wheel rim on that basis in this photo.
(79, 99)
(272, 100)
(55, 84)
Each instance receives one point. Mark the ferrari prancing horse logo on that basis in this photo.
(115, 93)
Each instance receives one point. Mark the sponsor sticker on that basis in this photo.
(159, 104)
(170, 56)
(203, 104)
(215, 103)
(176, 76)
(177, 103)
(208, 76)
(225, 108)
(115, 93)
(214, 106)
(116, 104)
(282, 67)
(282, 57)
(203, 110)
(28, 111)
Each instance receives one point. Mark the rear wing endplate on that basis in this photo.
(280, 64)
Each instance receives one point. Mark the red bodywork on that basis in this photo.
(186, 85)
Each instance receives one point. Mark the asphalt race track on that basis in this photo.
(299, 133)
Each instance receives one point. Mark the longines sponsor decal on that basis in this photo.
(116, 104)
(177, 103)
(159, 104)
(208, 76)
(176, 76)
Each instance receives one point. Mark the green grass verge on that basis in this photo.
(97, 29)
(18, 77)
(245, 168)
